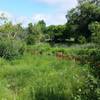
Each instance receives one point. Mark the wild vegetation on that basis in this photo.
(56, 62)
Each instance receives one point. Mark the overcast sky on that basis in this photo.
(25, 11)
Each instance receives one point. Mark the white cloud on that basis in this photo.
(23, 19)
(54, 18)
(39, 16)
(57, 16)
(5, 14)
(66, 3)
(52, 1)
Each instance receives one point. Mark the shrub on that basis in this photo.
(10, 49)
(91, 57)
(82, 40)
(30, 39)
(95, 30)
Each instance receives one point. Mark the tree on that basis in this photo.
(36, 32)
(42, 25)
(95, 29)
(7, 29)
(3, 18)
(97, 2)
(81, 16)
(59, 33)
(10, 30)
(30, 29)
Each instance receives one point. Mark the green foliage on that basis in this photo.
(92, 57)
(40, 74)
(10, 49)
(57, 33)
(11, 31)
(95, 29)
(81, 16)
(30, 40)
(36, 32)
(45, 78)
(97, 2)
(81, 40)
(42, 26)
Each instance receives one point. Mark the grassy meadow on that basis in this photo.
(45, 77)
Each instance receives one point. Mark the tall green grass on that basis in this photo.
(43, 77)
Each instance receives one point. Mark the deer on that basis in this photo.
(59, 55)
(62, 56)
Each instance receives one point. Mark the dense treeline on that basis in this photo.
(82, 26)
(79, 27)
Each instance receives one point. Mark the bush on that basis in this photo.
(30, 39)
(95, 30)
(81, 40)
(91, 57)
(10, 49)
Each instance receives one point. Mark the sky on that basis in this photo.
(26, 11)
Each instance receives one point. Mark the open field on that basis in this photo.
(44, 77)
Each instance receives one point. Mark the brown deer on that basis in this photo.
(77, 59)
(59, 55)
(62, 56)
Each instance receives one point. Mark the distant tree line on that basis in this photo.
(82, 26)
